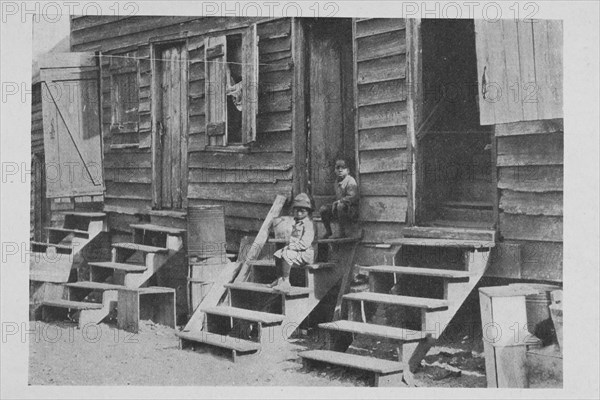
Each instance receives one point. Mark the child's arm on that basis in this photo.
(305, 241)
(351, 193)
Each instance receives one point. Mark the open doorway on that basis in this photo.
(331, 116)
(455, 186)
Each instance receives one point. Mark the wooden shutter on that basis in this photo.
(519, 66)
(71, 120)
(215, 55)
(250, 84)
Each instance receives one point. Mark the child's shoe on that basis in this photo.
(283, 287)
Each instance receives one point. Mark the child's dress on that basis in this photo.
(299, 251)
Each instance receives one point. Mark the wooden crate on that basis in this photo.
(150, 303)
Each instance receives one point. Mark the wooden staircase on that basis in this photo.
(82, 238)
(439, 268)
(131, 266)
(255, 317)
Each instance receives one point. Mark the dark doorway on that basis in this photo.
(331, 102)
(455, 185)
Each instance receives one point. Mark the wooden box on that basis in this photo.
(150, 303)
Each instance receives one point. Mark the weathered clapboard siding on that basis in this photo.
(530, 183)
(382, 116)
(245, 183)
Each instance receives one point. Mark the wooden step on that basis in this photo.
(418, 302)
(73, 305)
(424, 242)
(58, 246)
(263, 288)
(68, 231)
(158, 228)
(227, 342)
(389, 332)
(371, 364)
(442, 273)
(247, 315)
(119, 266)
(271, 263)
(140, 247)
(93, 285)
(328, 240)
(432, 232)
(85, 214)
(441, 223)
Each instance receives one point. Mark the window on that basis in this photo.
(231, 68)
(124, 96)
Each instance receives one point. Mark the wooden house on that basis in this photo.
(450, 124)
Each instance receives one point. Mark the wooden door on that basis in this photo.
(71, 120)
(331, 118)
(172, 129)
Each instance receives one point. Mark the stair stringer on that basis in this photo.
(94, 317)
(456, 293)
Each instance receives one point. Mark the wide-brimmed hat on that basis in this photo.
(302, 201)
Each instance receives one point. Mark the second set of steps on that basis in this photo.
(256, 317)
(132, 265)
(439, 269)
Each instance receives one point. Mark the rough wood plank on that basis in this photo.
(539, 178)
(379, 25)
(382, 331)
(245, 314)
(449, 233)
(275, 102)
(243, 161)
(541, 260)
(227, 342)
(529, 127)
(384, 184)
(381, 45)
(532, 203)
(383, 209)
(278, 27)
(382, 115)
(132, 190)
(242, 192)
(382, 92)
(393, 137)
(254, 175)
(529, 227)
(383, 69)
(430, 272)
(274, 122)
(127, 159)
(280, 142)
(276, 45)
(526, 50)
(371, 364)
(376, 161)
(543, 149)
(261, 238)
(129, 175)
(418, 302)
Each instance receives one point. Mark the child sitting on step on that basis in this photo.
(299, 251)
(345, 208)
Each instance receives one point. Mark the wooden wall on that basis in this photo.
(245, 183)
(381, 120)
(530, 184)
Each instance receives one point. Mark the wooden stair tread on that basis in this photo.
(468, 204)
(227, 342)
(376, 365)
(383, 331)
(328, 240)
(428, 242)
(263, 288)
(242, 313)
(158, 228)
(85, 214)
(75, 305)
(271, 263)
(119, 266)
(67, 230)
(93, 285)
(140, 247)
(442, 273)
(419, 302)
(434, 232)
(45, 244)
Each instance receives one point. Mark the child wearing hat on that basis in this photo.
(299, 251)
(345, 208)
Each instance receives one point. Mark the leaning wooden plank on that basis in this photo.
(261, 238)
(231, 270)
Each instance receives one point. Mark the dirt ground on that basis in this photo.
(104, 355)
